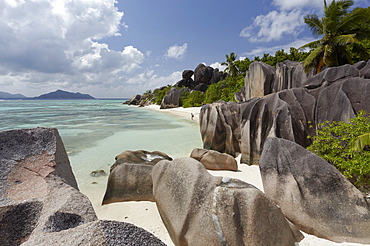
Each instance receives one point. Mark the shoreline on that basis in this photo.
(184, 113)
(145, 214)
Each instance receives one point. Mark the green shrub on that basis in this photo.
(195, 99)
(333, 143)
(159, 94)
(224, 90)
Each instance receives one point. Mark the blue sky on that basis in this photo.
(116, 49)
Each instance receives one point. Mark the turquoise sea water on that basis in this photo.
(95, 131)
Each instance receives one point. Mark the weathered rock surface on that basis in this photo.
(99, 232)
(258, 81)
(39, 199)
(135, 100)
(186, 74)
(27, 158)
(203, 74)
(130, 176)
(200, 209)
(140, 157)
(263, 79)
(289, 74)
(291, 114)
(312, 194)
(220, 127)
(332, 74)
(172, 99)
(214, 160)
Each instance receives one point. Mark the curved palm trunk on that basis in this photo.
(320, 65)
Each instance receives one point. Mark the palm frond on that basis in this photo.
(315, 24)
(334, 13)
(360, 142)
(344, 39)
(361, 50)
(352, 20)
(311, 45)
(313, 58)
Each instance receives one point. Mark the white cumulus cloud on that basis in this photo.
(289, 4)
(56, 42)
(259, 51)
(274, 26)
(176, 51)
(218, 65)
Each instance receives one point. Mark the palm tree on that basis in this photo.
(340, 32)
(230, 63)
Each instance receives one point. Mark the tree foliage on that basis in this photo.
(333, 143)
(280, 56)
(160, 94)
(341, 34)
(224, 90)
(194, 99)
(231, 68)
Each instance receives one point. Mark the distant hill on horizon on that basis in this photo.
(59, 94)
(5, 95)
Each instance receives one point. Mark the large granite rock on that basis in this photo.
(140, 157)
(312, 194)
(214, 160)
(220, 127)
(217, 76)
(332, 74)
(99, 232)
(289, 74)
(28, 158)
(130, 176)
(39, 199)
(186, 74)
(291, 114)
(135, 100)
(258, 81)
(203, 74)
(172, 99)
(200, 209)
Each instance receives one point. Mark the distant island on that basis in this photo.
(5, 95)
(56, 95)
(59, 94)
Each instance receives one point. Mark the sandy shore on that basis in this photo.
(185, 113)
(145, 214)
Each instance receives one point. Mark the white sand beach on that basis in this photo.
(184, 113)
(145, 214)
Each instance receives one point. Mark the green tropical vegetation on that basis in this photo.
(359, 143)
(343, 39)
(231, 68)
(225, 89)
(344, 36)
(194, 99)
(337, 143)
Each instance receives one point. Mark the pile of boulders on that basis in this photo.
(204, 76)
(286, 104)
(40, 203)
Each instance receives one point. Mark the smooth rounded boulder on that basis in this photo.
(130, 176)
(200, 209)
(214, 160)
(312, 194)
(40, 203)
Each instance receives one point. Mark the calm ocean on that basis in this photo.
(95, 131)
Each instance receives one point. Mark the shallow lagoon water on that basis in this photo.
(95, 131)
